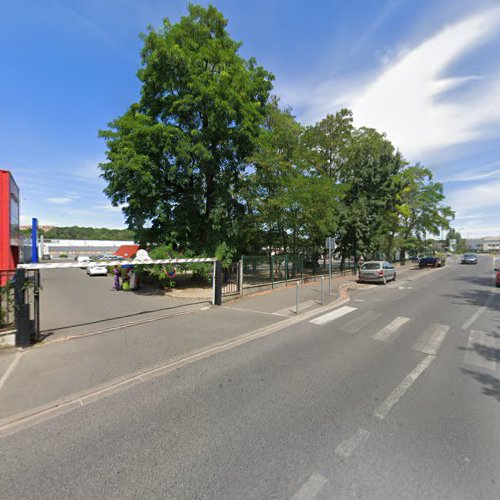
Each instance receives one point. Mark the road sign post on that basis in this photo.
(330, 244)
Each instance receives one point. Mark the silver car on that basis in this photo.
(377, 270)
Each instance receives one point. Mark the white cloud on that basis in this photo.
(63, 200)
(476, 199)
(404, 100)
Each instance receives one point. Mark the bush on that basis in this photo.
(63, 255)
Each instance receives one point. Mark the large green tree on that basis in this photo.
(176, 158)
(420, 210)
(370, 180)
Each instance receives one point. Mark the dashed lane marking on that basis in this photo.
(10, 369)
(346, 447)
(473, 318)
(311, 487)
(390, 331)
(383, 409)
(328, 317)
(430, 341)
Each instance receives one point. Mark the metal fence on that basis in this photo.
(264, 269)
(7, 305)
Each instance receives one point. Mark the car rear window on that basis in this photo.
(371, 265)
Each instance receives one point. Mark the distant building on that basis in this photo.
(486, 244)
(127, 251)
(55, 247)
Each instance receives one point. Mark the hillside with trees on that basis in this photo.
(84, 233)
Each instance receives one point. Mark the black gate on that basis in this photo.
(27, 306)
(231, 279)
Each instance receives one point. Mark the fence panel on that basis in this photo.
(7, 306)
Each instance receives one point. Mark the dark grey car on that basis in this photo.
(469, 258)
(379, 271)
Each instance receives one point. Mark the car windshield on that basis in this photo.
(371, 265)
(469, 256)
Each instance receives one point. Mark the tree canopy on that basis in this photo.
(207, 161)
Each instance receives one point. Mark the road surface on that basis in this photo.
(394, 395)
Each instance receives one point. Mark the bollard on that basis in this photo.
(322, 290)
(297, 298)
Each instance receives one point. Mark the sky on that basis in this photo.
(425, 72)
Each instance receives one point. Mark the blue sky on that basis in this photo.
(426, 72)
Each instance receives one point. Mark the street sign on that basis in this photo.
(330, 243)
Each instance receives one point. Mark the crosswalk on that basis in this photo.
(481, 352)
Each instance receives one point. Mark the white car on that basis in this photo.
(97, 270)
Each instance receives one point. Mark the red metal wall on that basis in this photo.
(9, 221)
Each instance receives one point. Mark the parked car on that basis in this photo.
(431, 261)
(497, 276)
(83, 259)
(97, 270)
(378, 271)
(469, 258)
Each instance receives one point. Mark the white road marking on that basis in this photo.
(360, 322)
(389, 332)
(311, 487)
(383, 409)
(205, 308)
(479, 345)
(10, 369)
(303, 305)
(230, 308)
(473, 318)
(326, 318)
(346, 447)
(430, 341)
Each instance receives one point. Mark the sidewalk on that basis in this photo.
(51, 373)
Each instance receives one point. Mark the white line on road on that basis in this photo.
(480, 347)
(346, 447)
(355, 325)
(389, 332)
(311, 487)
(473, 318)
(430, 341)
(382, 410)
(291, 309)
(326, 318)
(10, 369)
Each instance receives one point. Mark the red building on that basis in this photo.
(9, 222)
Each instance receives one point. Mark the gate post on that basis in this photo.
(240, 276)
(23, 327)
(218, 283)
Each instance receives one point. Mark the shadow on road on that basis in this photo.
(488, 298)
(50, 331)
(491, 384)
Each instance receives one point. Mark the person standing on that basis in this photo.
(116, 273)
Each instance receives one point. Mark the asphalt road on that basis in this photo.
(73, 303)
(394, 395)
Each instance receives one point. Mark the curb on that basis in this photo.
(11, 425)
